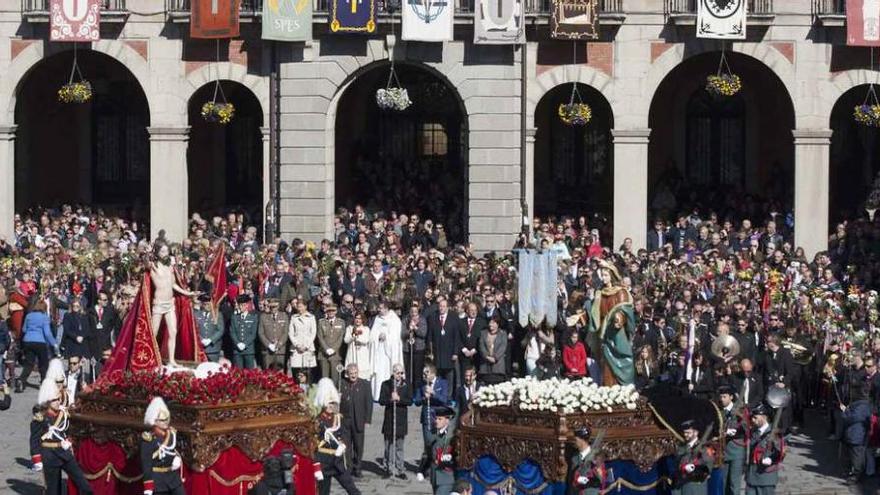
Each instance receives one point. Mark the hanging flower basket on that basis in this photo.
(868, 113)
(75, 92)
(724, 83)
(393, 99)
(575, 112)
(219, 113)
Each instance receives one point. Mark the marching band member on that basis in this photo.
(160, 460)
(695, 462)
(588, 474)
(735, 429)
(768, 451)
(442, 462)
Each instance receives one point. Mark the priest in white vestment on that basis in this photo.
(387, 348)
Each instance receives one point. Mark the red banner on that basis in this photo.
(74, 20)
(214, 19)
(863, 22)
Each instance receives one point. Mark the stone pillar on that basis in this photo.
(169, 184)
(811, 184)
(7, 183)
(530, 175)
(267, 191)
(630, 186)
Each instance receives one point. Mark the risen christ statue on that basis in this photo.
(164, 287)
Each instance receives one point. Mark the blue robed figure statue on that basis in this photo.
(612, 323)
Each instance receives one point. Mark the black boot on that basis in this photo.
(19, 386)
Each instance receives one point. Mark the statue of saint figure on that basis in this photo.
(612, 324)
(164, 287)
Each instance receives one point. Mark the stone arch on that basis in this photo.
(33, 54)
(770, 57)
(830, 91)
(559, 75)
(226, 71)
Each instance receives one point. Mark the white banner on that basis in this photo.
(427, 20)
(721, 19)
(499, 22)
(537, 279)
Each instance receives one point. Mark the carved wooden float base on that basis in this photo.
(204, 431)
(512, 436)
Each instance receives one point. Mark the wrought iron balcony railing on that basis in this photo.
(685, 7)
(247, 10)
(38, 10)
(533, 7)
(830, 13)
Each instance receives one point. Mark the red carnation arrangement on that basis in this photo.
(234, 385)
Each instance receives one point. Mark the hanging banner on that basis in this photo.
(74, 20)
(427, 20)
(287, 20)
(499, 22)
(353, 16)
(212, 19)
(863, 22)
(721, 19)
(574, 19)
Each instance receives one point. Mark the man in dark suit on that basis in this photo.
(105, 325)
(422, 278)
(657, 238)
(747, 346)
(396, 395)
(682, 232)
(356, 407)
(444, 330)
(471, 330)
(353, 283)
(777, 365)
(434, 392)
(465, 393)
(749, 384)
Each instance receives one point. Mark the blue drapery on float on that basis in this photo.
(527, 479)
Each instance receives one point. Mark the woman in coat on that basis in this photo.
(37, 344)
(302, 332)
(357, 337)
(77, 327)
(493, 350)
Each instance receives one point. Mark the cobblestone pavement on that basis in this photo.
(811, 467)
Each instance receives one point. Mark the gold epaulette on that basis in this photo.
(38, 416)
(147, 436)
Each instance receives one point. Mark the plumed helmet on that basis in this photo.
(155, 411)
(326, 393)
(56, 370)
(48, 391)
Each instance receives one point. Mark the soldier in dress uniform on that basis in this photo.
(244, 333)
(588, 473)
(55, 372)
(51, 450)
(273, 335)
(331, 331)
(768, 451)
(694, 461)
(735, 428)
(210, 325)
(440, 441)
(160, 461)
(331, 449)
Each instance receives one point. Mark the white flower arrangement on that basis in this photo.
(555, 395)
(393, 99)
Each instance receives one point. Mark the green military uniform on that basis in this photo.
(273, 332)
(210, 330)
(734, 451)
(762, 479)
(442, 463)
(694, 482)
(330, 334)
(157, 459)
(244, 331)
(588, 476)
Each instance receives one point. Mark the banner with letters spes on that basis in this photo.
(499, 22)
(574, 19)
(74, 20)
(863, 22)
(213, 19)
(353, 16)
(287, 20)
(427, 20)
(721, 19)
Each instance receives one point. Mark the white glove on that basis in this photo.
(446, 457)
(330, 352)
(582, 480)
(66, 445)
(689, 468)
(340, 450)
(319, 475)
(240, 346)
(271, 347)
(38, 467)
(420, 477)
(731, 432)
(175, 464)
(206, 342)
(148, 492)
(79, 339)
(766, 461)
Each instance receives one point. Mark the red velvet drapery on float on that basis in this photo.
(110, 472)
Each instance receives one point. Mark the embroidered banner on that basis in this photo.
(499, 22)
(214, 19)
(427, 20)
(863, 22)
(353, 16)
(721, 19)
(574, 19)
(74, 20)
(287, 20)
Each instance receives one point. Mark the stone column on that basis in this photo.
(267, 191)
(630, 186)
(530, 175)
(169, 184)
(7, 182)
(811, 184)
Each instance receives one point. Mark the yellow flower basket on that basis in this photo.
(575, 113)
(723, 84)
(220, 113)
(75, 92)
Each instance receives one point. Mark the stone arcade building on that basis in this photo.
(485, 138)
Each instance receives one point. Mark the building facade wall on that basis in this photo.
(626, 64)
